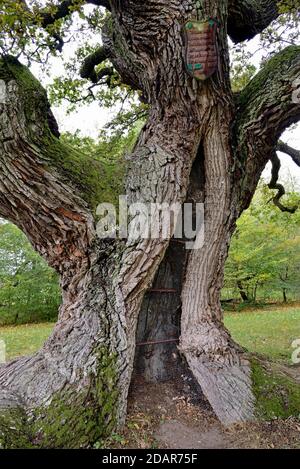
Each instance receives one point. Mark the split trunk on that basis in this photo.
(193, 147)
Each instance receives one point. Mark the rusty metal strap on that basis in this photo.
(163, 290)
(155, 342)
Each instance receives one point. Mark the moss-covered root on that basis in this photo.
(14, 431)
(277, 395)
(73, 419)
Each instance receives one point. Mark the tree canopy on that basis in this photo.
(71, 30)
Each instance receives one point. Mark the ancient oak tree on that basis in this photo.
(200, 142)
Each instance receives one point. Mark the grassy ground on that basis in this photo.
(269, 332)
(158, 411)
(24, 339)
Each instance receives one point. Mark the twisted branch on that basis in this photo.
(292, 152)
(87, 69)
(63, 10)
(274, 184)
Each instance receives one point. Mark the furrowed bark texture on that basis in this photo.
(265, 108)
(74, 378)
(74, 390)
(247, 18)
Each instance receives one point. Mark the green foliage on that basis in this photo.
(107, 148)
(71, 90)
(29, 290)
(24, 32)
(24, 35)
(264, 256)
(242, 70)
(284, 31)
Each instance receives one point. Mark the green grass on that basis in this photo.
(270, 333)
(24, 339)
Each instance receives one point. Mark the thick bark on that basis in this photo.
(202, 330)
(217, 362)
(266, 107)
(83, 372)
(77, 376)
(160, 315)
(247, 18)
(103, 286)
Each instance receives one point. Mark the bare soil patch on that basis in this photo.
(174, 415)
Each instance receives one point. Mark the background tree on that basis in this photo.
(264, 257)
(29, 290)
(200, 142)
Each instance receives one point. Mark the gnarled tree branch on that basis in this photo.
(64, 9)
(266, 109)
(274, 184)
(247, 18)
(50, 191)
(87, 69)
(292, 152)
(45, 18)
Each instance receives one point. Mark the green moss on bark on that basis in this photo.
(275, 66)
(73, 419)
(277, 395)
(14, 430)
(95, 181)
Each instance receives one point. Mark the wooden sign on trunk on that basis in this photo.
(201, 48)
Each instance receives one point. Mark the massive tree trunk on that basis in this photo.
(74, 390)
